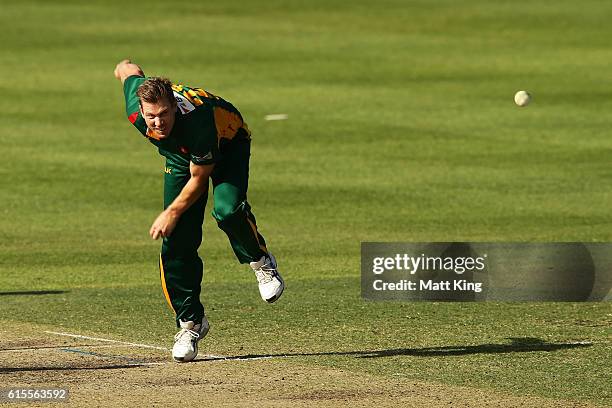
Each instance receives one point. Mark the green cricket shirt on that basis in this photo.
(205, 125)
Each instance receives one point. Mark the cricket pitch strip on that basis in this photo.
(106, 372)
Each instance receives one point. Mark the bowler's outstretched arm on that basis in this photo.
(126, 69)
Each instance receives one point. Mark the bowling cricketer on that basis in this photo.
(202, 137)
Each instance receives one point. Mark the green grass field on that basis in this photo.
(401, 127)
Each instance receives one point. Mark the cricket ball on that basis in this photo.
(522, 98)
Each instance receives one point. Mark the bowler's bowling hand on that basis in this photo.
(120, 66)
(163, 225)
(126, 69)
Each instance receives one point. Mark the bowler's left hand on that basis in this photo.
(164, 224)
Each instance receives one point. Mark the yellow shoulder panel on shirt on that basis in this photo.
(227, 123)
(188, 94)
(201, 92)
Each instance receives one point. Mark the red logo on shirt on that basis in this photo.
(132, 118)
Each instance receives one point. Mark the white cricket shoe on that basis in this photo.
(186, 340)
(271, 285)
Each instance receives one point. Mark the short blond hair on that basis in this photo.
(155, 89)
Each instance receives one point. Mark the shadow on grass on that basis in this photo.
(33, 292)
(516, 345)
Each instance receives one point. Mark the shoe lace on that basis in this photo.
(265, 273)
(185, 336)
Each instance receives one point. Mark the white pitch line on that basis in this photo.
(277, 116)
(80, 336)
(126, 343)
(17, 350)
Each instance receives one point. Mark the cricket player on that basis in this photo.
(202, 137)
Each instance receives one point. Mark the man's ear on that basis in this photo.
(140, 109)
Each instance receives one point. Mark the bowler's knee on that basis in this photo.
(225, 211)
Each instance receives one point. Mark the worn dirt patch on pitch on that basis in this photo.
(99, 374)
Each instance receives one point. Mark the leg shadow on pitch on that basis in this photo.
(516, 345)
(33, 292)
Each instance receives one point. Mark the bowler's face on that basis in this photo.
(159, 117)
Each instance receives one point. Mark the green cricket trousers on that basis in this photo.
(181, 268)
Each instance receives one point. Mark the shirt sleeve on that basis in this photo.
(203, 157)
(132, 106)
